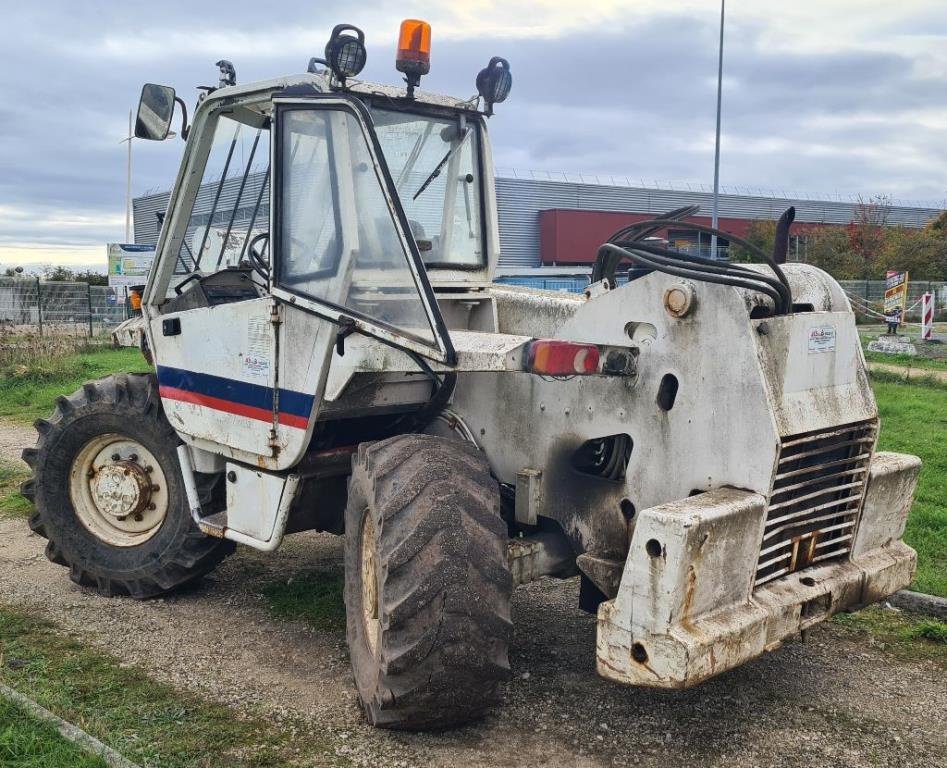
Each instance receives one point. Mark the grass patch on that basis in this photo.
(314, 597)
(12, 504)
(907, 361)
(903, 634)
(914, 420)
(148, 722)
(26, 742)
(28, 392)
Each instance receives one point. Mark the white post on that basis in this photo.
(715, 221)
(927, 316)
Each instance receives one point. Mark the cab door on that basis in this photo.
(343, 259)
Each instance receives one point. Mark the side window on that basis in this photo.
(231, 207)
(338, 241)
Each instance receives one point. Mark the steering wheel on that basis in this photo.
(258, 262)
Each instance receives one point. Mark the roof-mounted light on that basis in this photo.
(228, 75)
(414, 52)
(345, 52)
(494, 82)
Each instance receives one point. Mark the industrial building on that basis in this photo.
(547, 223)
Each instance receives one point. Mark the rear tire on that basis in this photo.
(427, 585)
(105, 552)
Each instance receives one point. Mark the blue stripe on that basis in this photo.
(293, 403)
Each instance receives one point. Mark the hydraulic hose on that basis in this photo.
(627, 244)
(664, 265)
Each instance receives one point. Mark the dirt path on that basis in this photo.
(909, 372)
(13, 439)
(829, 702)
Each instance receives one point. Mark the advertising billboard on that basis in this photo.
(129, 264)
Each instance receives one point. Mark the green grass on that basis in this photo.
(26, 742)
(148, 722)
(30, 392)
(914, 420)
(315, 598)
(907, 361)
(903, 634)
(12, 504)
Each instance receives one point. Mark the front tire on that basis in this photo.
(427, 585)
(109, 495)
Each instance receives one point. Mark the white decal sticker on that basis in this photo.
(822, 339)
(258, 367)
(256, 360)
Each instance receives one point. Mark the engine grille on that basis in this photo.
(816, 499)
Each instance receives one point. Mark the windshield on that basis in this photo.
(434, 162)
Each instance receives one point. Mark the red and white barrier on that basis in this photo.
(927, 316)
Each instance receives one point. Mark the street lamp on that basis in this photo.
(713, 238)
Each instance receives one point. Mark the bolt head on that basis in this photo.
(116, 457)
(679, 299)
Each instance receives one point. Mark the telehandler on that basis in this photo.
(694, 439)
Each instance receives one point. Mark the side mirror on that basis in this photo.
(494, 82)
(155, 110)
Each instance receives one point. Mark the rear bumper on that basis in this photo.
(685, 610)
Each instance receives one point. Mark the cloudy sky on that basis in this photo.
(820, 96)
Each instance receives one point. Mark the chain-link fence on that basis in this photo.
(54, 308)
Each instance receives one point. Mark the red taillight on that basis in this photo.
(561, 358)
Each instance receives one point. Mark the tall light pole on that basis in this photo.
(128, 181)
(713, 238)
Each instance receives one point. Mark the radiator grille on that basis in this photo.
(815, 500)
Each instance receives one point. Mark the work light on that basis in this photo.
(494, 82)
(345, 51)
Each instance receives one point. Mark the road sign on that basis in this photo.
(896, 291)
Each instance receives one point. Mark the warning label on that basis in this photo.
(822, 339)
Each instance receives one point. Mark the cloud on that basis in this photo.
(819, 97)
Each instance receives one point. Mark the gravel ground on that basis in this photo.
(831, 701)
(13, 439)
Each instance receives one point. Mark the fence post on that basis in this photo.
(89, 295)
(39, 304)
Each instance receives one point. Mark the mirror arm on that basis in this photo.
(185, 129)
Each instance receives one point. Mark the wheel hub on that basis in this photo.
(370, 621)
(121, 489)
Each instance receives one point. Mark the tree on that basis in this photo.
(829, 248)
(58, 273)
(866, 235)
(762, 234)
(922, 252)
(92, 277)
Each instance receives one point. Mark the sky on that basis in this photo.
(821, 97)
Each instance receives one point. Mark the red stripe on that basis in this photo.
(228, 406)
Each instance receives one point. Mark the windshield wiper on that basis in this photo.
(440, 166)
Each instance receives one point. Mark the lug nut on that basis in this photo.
(155, 488)
(90, 474)
(152, 507)
(134, 457)
(138, 518)
(149, 469)
(116, 457)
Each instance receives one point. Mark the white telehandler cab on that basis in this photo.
(696, 442)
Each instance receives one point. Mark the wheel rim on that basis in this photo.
(118, 490)
(369, 565)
